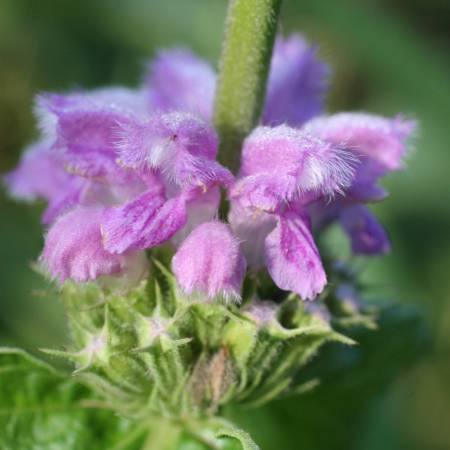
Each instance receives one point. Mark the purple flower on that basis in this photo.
(297, 83)
(145, 222)
(366, 234)
(284, 164)
(180, 145)
(41, 175)
(85, 126)
(292, 257)
(182, 149)
(126, 170)
(381, 144)
(80, 133)
(283, 170)
(382, 141)
(210, 262)
(178, 80)
(73, 248)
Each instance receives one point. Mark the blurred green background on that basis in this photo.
(387, 56)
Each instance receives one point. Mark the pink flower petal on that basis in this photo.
(293, 259)
(73, 248)
(210, 262)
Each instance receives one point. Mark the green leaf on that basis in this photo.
(214, 434)
(43, 409)
(242, 437)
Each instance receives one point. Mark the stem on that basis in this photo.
(249, 35)
(164, 435)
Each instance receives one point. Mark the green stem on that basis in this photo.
(164, 435)
(249, 35)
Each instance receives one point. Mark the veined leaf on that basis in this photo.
(42, 409)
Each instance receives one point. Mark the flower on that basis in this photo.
(127, 170)
(282, 171)
(73, 248)
(297, 83)
(380, 144)
(178, 80)
(292, 257)
(210, 261)
(262, 312)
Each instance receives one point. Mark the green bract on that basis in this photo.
(154, 351)
(154, 370)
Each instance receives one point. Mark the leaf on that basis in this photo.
(228, 430)
(43, 409)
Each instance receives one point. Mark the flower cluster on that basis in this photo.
(124, 171)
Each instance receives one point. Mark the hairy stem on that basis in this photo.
(249, 35)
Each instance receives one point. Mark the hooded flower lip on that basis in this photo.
(181, 145)
(314, 163)
(40, 175)
(382, 141)
(283, 164)
(297, 83)
(178, 80)
(73, 248)
(210, 262)
(381, 144)
(85, 125)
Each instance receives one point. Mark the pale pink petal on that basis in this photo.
(210, 262)
(379, 139)
(293, 259)
(251, 228)
(74, 250)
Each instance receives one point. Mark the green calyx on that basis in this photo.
(44, 408)
(154, 351)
